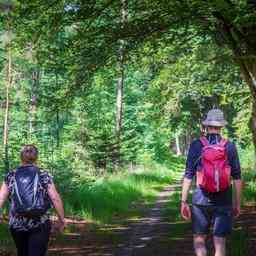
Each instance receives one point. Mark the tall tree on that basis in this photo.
(120, 80)
(33, 101)
(7, 7)
(96, 31)
(7, 101)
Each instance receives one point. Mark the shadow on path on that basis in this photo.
(157, 231)
(151, 235)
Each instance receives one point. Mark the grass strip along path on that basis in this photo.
(149, 225)
(98, 209)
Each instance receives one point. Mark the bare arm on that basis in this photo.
(185, 189)
(4, 193)
(57, 202)
(185, 209)
(237, 195)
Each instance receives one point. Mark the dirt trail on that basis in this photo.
(153, 233)
(148, 235)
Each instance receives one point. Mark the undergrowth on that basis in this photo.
(113, 194)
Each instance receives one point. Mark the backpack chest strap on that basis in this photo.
(223, 142)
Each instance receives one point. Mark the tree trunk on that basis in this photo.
(58, 127)
(119, 96)
(177, 143)
(248, 70)
(186, 141)
(245, 57)
(32, 116)
(253, 127)
(57, 116)
(120, 87)
(6, 117)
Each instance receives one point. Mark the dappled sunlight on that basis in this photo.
(150, 228)
(119, 228)
(113, 94)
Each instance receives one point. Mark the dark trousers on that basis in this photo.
(33, 242)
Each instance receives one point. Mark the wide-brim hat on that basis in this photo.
(215, 117)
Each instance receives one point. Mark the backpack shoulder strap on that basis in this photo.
(223, 142)
(16, 189)
(15, 173)
(204, 141)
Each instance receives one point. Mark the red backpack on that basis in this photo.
(214, 172)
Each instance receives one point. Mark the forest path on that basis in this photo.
(151, 236)
(147, 234)
(157, 231)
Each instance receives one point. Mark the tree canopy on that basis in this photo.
(180, 58)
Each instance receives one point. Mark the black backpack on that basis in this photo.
(28, 196)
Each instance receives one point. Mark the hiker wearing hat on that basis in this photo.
(214, 161)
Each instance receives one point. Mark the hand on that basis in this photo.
(61, 224)
(236, 210)
(58, 226)
(185, 211)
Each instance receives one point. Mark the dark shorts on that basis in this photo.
(219, 217)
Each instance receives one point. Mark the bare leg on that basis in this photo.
(220, 246)
(199, 245)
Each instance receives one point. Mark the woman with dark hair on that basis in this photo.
(31, 192)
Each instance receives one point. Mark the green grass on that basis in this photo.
(249, 190)
(5, 239)
(238, 245)
(112, 195)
